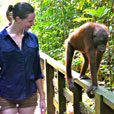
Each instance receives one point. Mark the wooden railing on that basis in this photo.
(57, 96)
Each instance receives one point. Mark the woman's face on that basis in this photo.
(28, 22)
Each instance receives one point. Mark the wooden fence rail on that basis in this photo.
(58, 96)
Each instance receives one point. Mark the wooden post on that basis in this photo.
(49, 73)
(61, 86)
(77, 98)
(98, 104)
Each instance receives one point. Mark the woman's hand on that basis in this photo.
(43, 106)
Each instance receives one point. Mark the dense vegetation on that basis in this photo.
(55, 19)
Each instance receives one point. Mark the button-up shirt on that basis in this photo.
(20, 68)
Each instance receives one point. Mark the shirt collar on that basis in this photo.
(5, 33)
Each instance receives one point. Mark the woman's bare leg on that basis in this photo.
(27, 110)
(9, 111)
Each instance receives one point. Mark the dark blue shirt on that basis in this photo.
(19, 68)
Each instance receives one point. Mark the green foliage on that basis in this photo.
(82, 19)
(55, 19)
(49, 27)
(100, 12)
(81, 4)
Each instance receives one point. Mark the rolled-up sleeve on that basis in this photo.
(37, 67)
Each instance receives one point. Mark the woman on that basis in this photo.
(20, 74)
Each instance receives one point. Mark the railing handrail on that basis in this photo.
(108, 96)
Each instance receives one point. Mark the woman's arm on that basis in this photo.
(42, 95)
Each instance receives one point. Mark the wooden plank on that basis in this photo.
(98, 104)
(108, 97)
(86, 109)
(68, 95)
(56, 104)
(107, 101)
(55, 64)
(77, 98)
(49, 73)
(61, 86)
